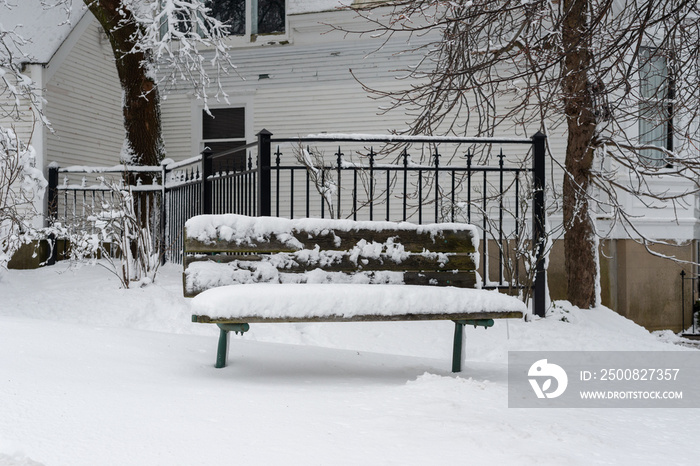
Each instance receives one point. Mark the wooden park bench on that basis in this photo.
(243, 270)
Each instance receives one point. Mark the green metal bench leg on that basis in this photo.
(222, 352)
(457, 348)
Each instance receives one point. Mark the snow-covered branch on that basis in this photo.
(171, 35)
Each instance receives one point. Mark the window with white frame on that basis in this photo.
(243, 17)
(223, 131)
(655, 106)
(250, 17)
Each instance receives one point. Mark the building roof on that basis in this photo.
(43, 28)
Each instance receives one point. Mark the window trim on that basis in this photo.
(198, 142)
(647, 54)
(250, 38)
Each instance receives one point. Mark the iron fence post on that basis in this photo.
(207, 171)
(371, 183)
(264, 185)
(682, 300)
(52, 199)
(340, 171)
(538, 219)
(163, 213)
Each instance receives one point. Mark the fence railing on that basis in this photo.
(497, 184)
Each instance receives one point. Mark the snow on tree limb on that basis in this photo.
(171, 35)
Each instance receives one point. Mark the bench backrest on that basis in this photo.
(228, 249)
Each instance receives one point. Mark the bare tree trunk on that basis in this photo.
(141, 99)
(580, 254)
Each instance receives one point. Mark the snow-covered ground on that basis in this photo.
(91, 374)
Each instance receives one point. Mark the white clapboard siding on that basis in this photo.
(20, 120)
(294, 89)
(177, 121)
(84, 105)
(22, 127)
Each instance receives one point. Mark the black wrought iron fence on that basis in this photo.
(182, 192)
(83, 199)
(494, 183)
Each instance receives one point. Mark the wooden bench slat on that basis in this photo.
(344, 263)
(466, 279)
(343, 300)
(339, 240)
(359, 318)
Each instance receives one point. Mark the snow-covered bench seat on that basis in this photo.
(242, 270)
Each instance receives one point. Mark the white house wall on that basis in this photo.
(23, 121)
(24, 128)
(308, 90)
(84, 101)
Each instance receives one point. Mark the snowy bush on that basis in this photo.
(115, 232)
(21, 186)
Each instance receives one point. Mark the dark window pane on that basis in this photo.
(231, 12)
(270, 16)
(228, 123)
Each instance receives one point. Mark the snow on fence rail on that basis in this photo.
(496, 184)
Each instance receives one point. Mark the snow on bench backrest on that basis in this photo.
(227, 249)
